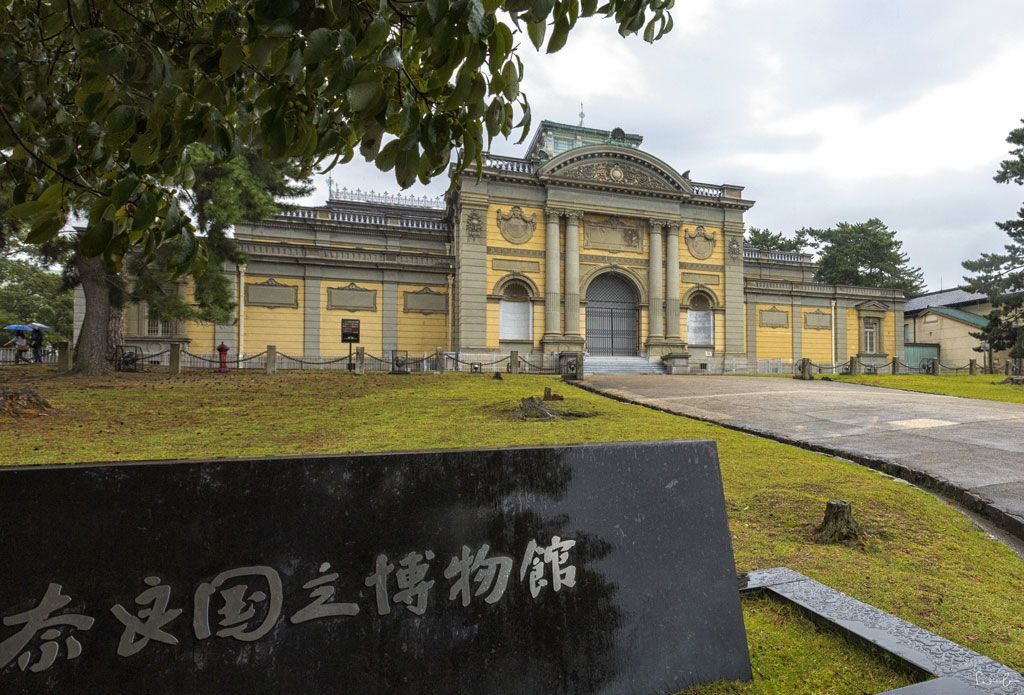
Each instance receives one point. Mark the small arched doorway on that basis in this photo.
(613, 317)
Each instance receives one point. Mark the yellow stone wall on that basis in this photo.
(200, 334)
(371, 336)
(280, 326)
(815, 343)
(419, 333)
(852, 332)
(536, 244)
(773, 343)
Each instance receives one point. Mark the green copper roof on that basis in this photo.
(959, 315)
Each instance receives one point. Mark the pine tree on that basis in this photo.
(865, 254)
(1000, 276)
(767, 240)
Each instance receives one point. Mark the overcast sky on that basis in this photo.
(825, 111)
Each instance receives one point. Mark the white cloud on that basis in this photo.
(954, 127)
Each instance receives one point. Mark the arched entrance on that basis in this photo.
(613, 318)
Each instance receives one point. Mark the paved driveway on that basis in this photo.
(975, 446)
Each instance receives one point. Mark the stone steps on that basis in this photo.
(621, 365)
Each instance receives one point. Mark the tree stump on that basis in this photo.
(838, 526)
(22, 402)
(550, 395)
(533, 408)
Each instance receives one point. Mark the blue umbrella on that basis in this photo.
(18, 327)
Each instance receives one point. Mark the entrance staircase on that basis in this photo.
(621, 365)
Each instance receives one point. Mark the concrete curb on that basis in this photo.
(971, 501)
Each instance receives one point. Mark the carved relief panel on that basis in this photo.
(271, 294)
(613, 234)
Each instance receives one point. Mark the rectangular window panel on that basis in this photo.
(871, 336)
(516, 321)
(700, 327)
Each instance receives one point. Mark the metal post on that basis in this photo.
(360, 360)
(513, 361)
(271, 359)
(175, 359)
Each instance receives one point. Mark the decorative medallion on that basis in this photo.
(615, 173)
(516, 227)
(735, 249)
(474, 226)
(700, 242)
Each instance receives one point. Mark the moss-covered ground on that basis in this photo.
(930, 564)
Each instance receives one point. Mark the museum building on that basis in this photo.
(586, 243)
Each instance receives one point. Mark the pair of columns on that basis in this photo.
(663, 291)
(553, 274)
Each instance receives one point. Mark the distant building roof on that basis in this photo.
(955, 297)
(553, 138)
(959, 315)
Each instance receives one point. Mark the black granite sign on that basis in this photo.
(584, 569)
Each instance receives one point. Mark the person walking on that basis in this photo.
(36, 343)
(20, 343)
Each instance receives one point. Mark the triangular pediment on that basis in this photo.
(873, 305)
(606, 166)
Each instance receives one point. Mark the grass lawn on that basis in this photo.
(981, 386)
(932, 566)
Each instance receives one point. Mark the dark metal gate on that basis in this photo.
(613, 321)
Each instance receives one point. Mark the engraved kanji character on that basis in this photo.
(40, 620)
(322, 594)
(491, 574)
(537, 559)
(410, 576)
(239, 604)
(149, 624)
(412, 589)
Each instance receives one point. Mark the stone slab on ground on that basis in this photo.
(969, 450)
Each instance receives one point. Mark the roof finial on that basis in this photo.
(581, 114)
(330, 188)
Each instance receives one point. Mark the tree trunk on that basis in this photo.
(115, 327)
(93, 348)
(838, 526)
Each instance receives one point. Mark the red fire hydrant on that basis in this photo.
(223, 350)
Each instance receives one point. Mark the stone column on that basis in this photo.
(271, 359)
(672, 282)
(655, 289)
(572, 273)
(552, 277)
(174, 362)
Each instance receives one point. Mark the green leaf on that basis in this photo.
(387, 156)
(536, 32)
(231, 57)
(559, 35)
(375, 35)
(319, 45)
(406, 166)
(28, 210)
(366, 92)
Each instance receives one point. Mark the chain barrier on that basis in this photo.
(537, 368)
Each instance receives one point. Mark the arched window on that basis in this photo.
(700, 321)
(516, 322)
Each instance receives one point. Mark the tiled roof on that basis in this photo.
(960, 315)
(943, 298)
